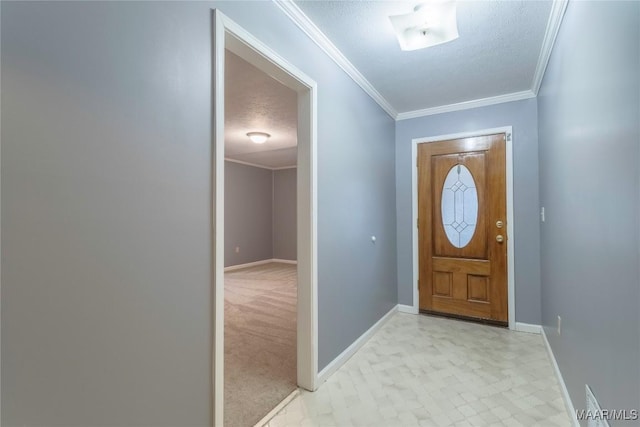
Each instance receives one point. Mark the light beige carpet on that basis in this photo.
(260, 341)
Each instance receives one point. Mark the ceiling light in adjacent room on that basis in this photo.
(429, 24)
(258, 137)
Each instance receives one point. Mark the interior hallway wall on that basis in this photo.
(284, 214)
(522, 115)
(589, 115)
(106, 214)
(248, 214)
(260, 214)
(106, 207)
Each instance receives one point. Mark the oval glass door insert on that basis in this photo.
(459, 206)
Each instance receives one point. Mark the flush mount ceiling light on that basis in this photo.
(429, 24)
(258, 137)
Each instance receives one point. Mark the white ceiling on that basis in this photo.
(255, 102)
(496, 54)
(500, 55)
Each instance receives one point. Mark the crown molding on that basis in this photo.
(256, 165)
(475, 103)
(318, 37)
(558, 7)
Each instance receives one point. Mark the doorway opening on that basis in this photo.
(454, 248)
(232, 43)
(260, 281)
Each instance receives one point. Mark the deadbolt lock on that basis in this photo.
(499, 238)
(499, 224)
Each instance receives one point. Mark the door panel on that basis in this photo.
(477, 247)
(462, 211)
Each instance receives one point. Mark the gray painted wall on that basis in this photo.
(106, 214)
(522, 115)
(248, 214)
(589, 115)
(106, 207)
(260, 214)
(284, 214)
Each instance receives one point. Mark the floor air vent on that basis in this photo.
(595, 417)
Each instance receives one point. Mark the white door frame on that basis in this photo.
(511, 285)
(229, 35)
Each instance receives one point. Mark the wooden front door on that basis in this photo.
(462, 227)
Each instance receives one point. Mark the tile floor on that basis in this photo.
(430, 371)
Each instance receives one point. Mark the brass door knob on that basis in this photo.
(499, 224)
(499, 238)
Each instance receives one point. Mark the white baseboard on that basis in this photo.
(528, 327)
(249, 264)
(342, 358)
(263, 422)
(264, 261)
(285, 261)
(565, 393)
(402, 308)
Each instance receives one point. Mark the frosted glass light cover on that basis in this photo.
(459, 206)
(428, 25)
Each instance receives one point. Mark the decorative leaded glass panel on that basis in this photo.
(459, 206)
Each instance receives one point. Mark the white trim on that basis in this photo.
(565, 393)
(414, 225)
(307, 237)
(243, 44)
(318, 37)
(528, 327)
(342, 358)
(229, 35)
(285, 261)
(402, 308)
(247, 265)
(508, 130)
(511, 235)
(558, 7)
(265, 420)
(255, 165)
(466, 105)
(217, 200)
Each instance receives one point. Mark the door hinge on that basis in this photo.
(417, 222)
(508, 137)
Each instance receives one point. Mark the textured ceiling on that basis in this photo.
(496, 53)
(254, 101)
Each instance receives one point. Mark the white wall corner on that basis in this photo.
(558, 7)
(343, 357)
(318, 37)
(563, 387)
